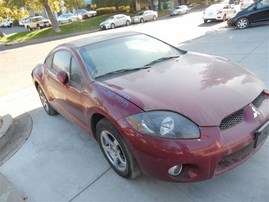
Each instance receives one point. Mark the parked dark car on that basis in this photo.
(257, 13)
(175, 115)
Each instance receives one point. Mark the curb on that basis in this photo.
(14, 135)
(8, 192)
(6, 130)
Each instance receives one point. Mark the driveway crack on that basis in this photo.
(89, 185)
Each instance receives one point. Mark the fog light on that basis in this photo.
(175, 170)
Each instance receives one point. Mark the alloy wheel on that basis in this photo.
(113, 151)
(242, 23)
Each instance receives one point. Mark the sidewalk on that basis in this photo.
(60, 162)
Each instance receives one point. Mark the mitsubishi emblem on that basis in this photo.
(255, 112)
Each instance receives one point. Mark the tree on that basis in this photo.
(39, 5)
(73, 4)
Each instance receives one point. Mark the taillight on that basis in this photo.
(266, 92)
(219, 12)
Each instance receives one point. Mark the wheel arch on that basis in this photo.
(96, 117)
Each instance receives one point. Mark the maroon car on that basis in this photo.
(174, 115)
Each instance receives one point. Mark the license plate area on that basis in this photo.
(261, 134)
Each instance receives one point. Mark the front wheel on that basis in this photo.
(46, 105)
(116, 151)
(242, 23)
(128, 23)
(141, 20)
(224, 18)
(112, 26)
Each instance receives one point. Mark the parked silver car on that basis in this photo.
(144, 16)
(183, 9)
(66, 17)
(84, 13)
(116, 21)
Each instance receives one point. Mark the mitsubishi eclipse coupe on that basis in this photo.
(171, 114)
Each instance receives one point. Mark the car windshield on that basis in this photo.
(140, 13)
(110, 18)
(126, 53)
(215, 7)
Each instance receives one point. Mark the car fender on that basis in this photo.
(105, 102)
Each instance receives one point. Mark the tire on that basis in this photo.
(46, 105)
(205, 21)
(116, 151)
(242, 23)
(154, 18)
(112, 26)
(128, 23)
(38, 27)
(28, 28)
(142, 20)
(224, 18)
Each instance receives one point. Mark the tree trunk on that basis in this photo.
(52, 18)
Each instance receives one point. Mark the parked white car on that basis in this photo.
(245, 3)
(84, 13)
(67, 17)
(22, 21)
(182, 9)
(116, 21)
(6, 23)
(37, 22)
(218, 12)
(144, 16)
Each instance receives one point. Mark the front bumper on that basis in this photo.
(231, 22)
(216, 152)
(105, 26)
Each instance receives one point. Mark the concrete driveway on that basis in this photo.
(60, 162)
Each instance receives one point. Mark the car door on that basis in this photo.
(66, 97)
(260, 12)
(146, 16)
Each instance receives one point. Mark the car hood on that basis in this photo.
(201, 87)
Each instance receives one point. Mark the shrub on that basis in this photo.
(106, 10)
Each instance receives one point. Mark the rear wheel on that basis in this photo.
(242, 23)
(46, 105)
(128, 23)
(112, 26)
(154, 18)
(115, 150)
(142, 20)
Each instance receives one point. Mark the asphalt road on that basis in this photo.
(60, 162)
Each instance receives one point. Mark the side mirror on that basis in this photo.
(62, 77)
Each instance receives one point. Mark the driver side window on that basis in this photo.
(61, 61)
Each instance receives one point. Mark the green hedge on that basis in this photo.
(110, 10)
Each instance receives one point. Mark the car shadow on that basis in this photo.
(210, 23)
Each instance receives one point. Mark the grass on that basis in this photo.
(84, 25)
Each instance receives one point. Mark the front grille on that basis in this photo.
(237, 117)
(236, 157)
(232, 120)
(258, 101)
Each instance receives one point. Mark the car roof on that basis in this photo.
(98, 38)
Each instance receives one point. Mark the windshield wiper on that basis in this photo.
(160, 60)
(122, 71)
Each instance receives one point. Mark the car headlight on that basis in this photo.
(164, 124)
